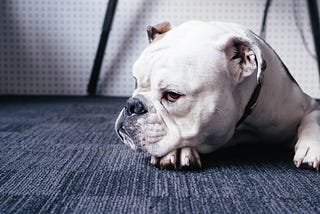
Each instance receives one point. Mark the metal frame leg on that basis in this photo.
(314, 19)
(94, 78)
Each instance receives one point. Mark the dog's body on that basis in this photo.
(201, 86)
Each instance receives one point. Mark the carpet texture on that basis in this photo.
(62, 155)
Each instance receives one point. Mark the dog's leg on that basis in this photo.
(184, 159)
(307, 149)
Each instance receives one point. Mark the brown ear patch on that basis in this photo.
(157, 31)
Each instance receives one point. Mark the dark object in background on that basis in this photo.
(92, 86)
(314, 19)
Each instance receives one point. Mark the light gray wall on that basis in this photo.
(48, 47)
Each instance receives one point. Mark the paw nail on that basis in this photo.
(172, 159)
(153, 160)
(187, 161)
(298, 163)
(316, 164)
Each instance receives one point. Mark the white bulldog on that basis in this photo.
(202, 86)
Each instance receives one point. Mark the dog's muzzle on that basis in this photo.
(133, 108)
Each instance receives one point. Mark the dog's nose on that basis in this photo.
(135, 106)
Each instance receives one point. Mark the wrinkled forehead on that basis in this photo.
(177, 66)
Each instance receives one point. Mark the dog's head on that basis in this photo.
(185, 87)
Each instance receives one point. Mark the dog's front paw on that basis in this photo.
(183, 159)
(307, 152)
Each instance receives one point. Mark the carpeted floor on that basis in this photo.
(61, 155)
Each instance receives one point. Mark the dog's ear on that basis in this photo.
(244, 58)
(157, 31)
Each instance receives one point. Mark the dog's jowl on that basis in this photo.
(205, 85)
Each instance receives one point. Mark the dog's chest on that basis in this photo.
(271, 133)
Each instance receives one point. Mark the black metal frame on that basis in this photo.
(94, 78)
(314, 19)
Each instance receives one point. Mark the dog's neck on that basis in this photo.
(251, 104)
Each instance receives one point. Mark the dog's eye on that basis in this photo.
(171, 96)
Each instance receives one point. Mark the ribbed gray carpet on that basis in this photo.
(61, 155)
